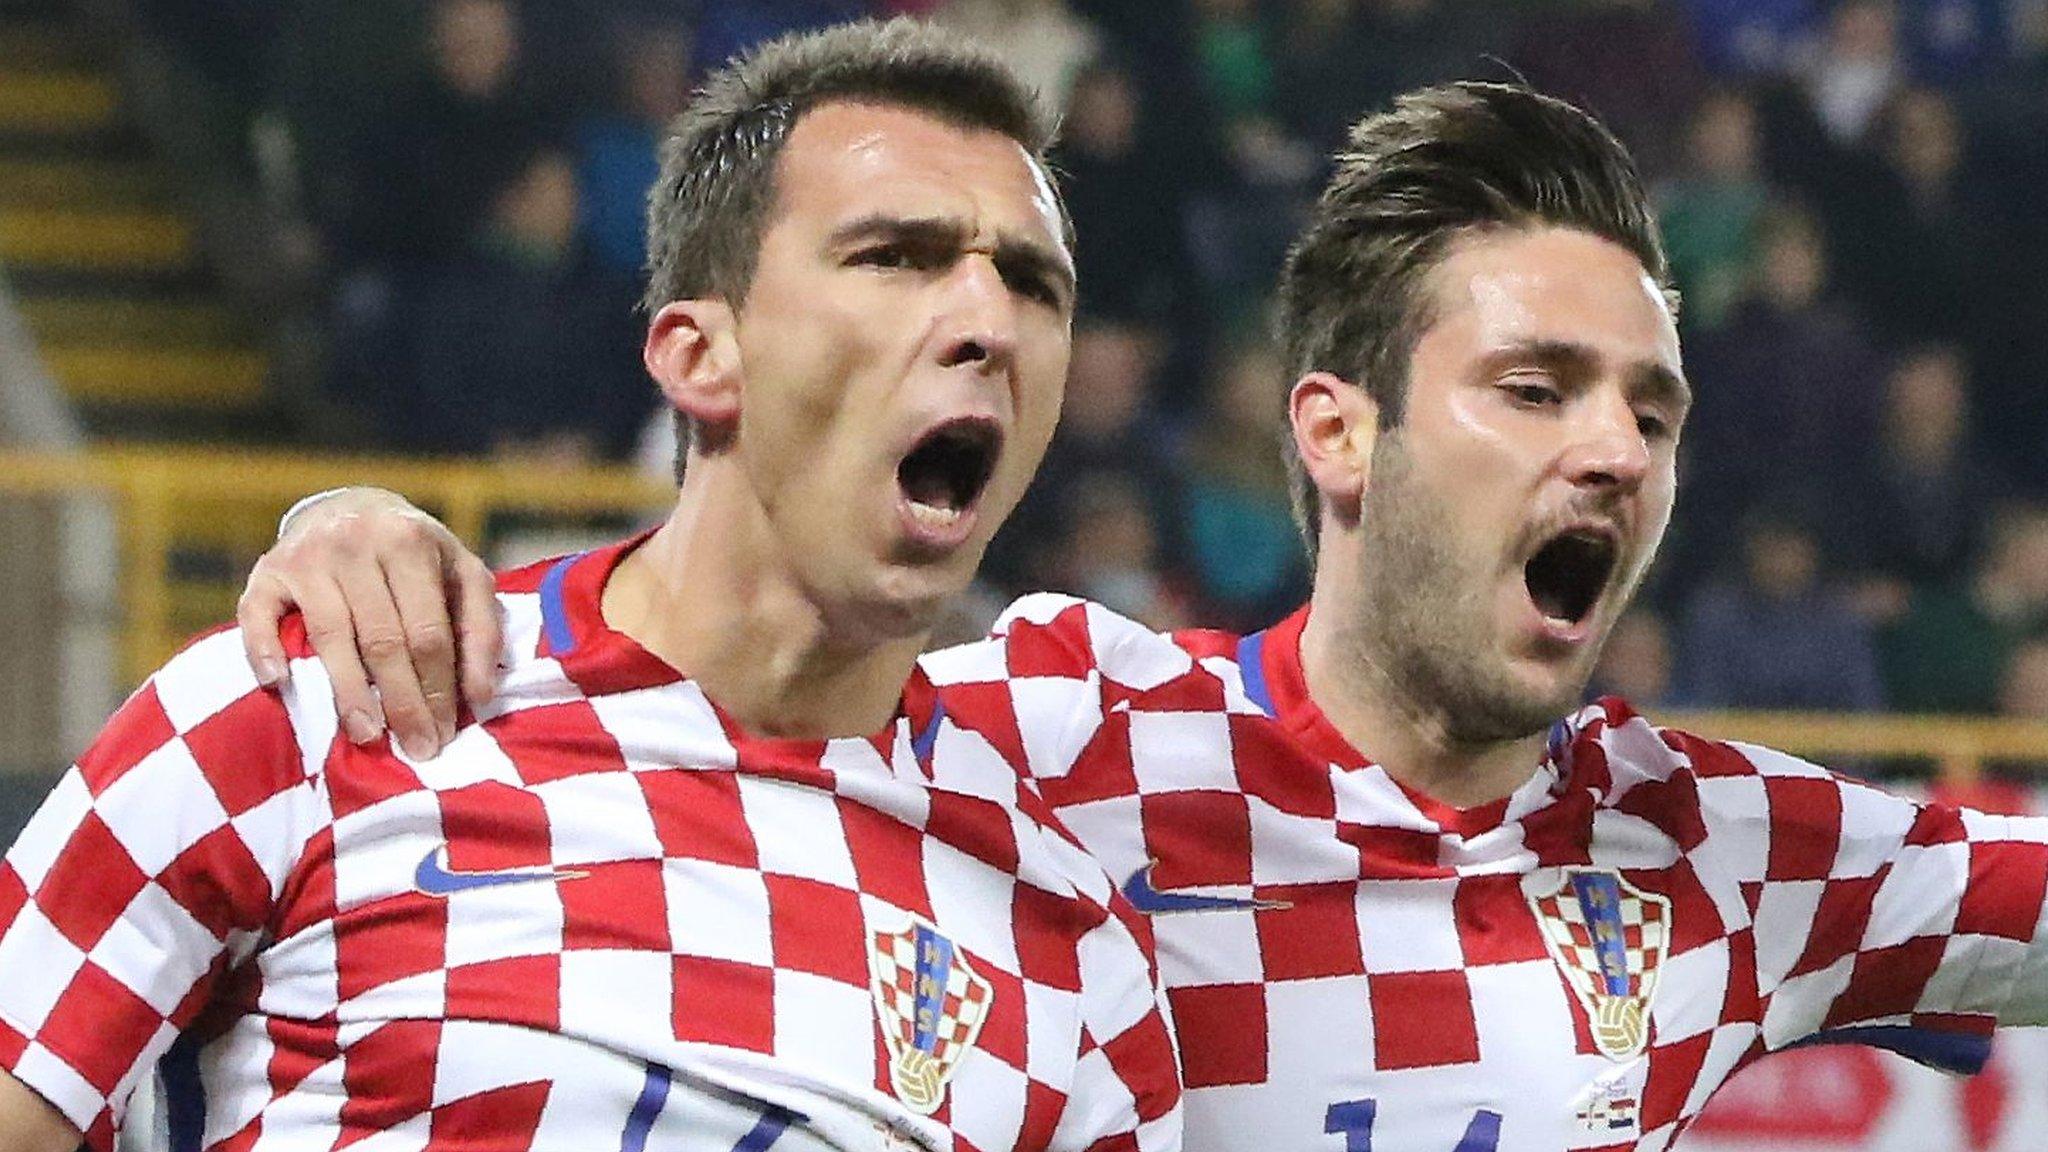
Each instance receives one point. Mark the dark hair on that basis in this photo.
(717, 189)
(1444, 163)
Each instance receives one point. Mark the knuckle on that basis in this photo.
(382, 645)
(433, 639)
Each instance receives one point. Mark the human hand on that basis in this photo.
(390, 597)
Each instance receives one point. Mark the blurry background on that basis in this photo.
(251, 248)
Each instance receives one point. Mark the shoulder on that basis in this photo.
(1051, 634)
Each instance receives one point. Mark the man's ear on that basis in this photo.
(693, 352)
(1335, 425)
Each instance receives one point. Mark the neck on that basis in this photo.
(1410, 738)
(713, 595)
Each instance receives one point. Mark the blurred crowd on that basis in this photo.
(1849, 190)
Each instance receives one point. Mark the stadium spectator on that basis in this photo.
(1911, 515)
(2023, 689)
(1859, 64)
(1793, 368)
(1043, 40)
(1243, 553)
(519, 346)
(1109, 552)
(445, 148)
(1778, 634)
(1742, 38)
(617, 148)
(1947, 653)
(1135, 261)
(1106, 428)
(1630, 62)
(1711, 207)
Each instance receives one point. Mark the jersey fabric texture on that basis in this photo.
(1352, 966)
(603, 917)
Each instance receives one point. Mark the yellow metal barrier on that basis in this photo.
(156, 490)
(166, 497)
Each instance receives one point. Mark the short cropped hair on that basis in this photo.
(716, 192)
(1444, 163)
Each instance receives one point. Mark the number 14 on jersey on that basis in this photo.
(1352, 1119)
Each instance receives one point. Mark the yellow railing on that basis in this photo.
(165, 497)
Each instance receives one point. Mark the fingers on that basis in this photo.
(428, 636)
(382, 639)
(479, 634)
(262, 605)
(331, 631)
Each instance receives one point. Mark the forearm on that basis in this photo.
(29, 1123)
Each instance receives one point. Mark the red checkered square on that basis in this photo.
(1806, 827)
(91, 883)
(1221, 1029)
(556, 742)
(817, 928)
(220, 883)
(138, 729)
(982, 826)
(1309, 930)
(1043, 958)
(1887, 982)
(1839, 923)
(99, 1025)
(612, 905)
(698, 816)
(1495, 925)
(1198, 838)
(885, 871)
(515, 990)
(247, 752)
(1422, 1020)
(2008, 885)
(725, 1002)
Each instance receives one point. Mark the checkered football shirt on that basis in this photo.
(1352, 966)
(598, 912)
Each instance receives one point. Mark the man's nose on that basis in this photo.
(1610, 450)
(980, 317)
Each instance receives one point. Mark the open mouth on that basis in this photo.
(1567, 575)
(946, 473)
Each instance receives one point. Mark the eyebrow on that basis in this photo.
(1013, 253)
(1654, 381)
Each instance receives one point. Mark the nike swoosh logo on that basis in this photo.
(434, 878)
(1153, 902)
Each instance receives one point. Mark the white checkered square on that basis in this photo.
(1679, 1014)
(611, 995)
(1292, 849)
(1407, 925)
(972, 900)
(1176, 751)
(378, 849)
(1052, 1030)
(1873, 830)
(1055, 716)
(40, 964)
(132, 951)
(154, 833)
(203, 679)
(828, 1023)
(1785, 912)
(35, 851)
(500, 922)
(1800, 1005)
(1208, 948)
(717, 910)
(964, 762)
(596, 818)
(799, 832)
(1919, 896)
(981, 1076)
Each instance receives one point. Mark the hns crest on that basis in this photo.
(931, 1005)
(1609, 938)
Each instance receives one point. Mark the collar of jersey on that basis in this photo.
(1281, 688)
(599, 659)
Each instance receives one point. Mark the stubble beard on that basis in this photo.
(1429, 622)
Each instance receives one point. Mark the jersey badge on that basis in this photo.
(931, 1004)
(1610, 939)
(1608, 1107)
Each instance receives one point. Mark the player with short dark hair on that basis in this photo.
(1407, 892)
(714, 869)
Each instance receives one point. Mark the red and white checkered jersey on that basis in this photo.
(600, 912)
(1578, 966)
